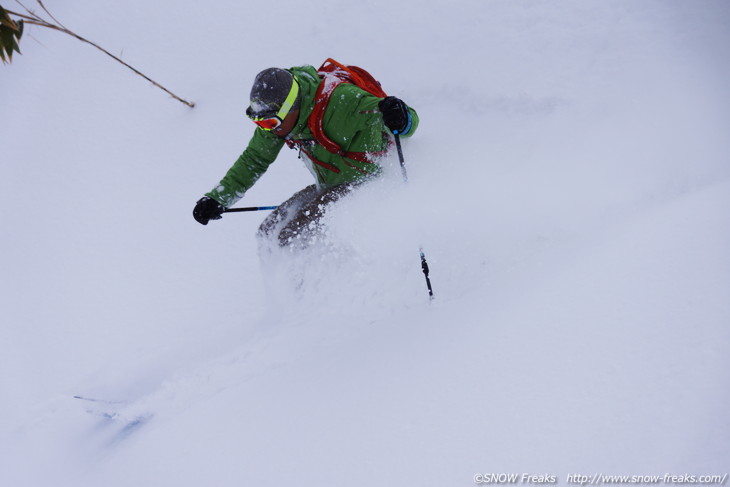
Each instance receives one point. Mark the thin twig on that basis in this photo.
(30, 12)
(34, 19)
(50, 14)
(25, 17)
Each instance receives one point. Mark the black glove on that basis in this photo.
(395, 114)
(207, 209)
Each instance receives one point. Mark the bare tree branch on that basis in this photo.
(34, 19)
(50, 14)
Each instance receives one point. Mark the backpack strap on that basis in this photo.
(301, 145)
(362, 157)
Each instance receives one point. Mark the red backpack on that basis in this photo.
(333, 74)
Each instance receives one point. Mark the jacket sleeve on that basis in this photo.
(262, 150)
(368, 103)
(354, 121)
(414, 122)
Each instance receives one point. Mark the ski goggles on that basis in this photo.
(272, 122)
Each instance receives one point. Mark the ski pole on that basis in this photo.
(250, 208)
(424, 264)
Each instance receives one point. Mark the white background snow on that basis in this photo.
(570, 185)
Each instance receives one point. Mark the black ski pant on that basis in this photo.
(298, 218)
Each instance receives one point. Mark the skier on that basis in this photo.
(340, 141)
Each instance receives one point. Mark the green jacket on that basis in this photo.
(352, 120)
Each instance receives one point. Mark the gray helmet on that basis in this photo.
(269, 91)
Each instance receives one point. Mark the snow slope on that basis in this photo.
(569, 184)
